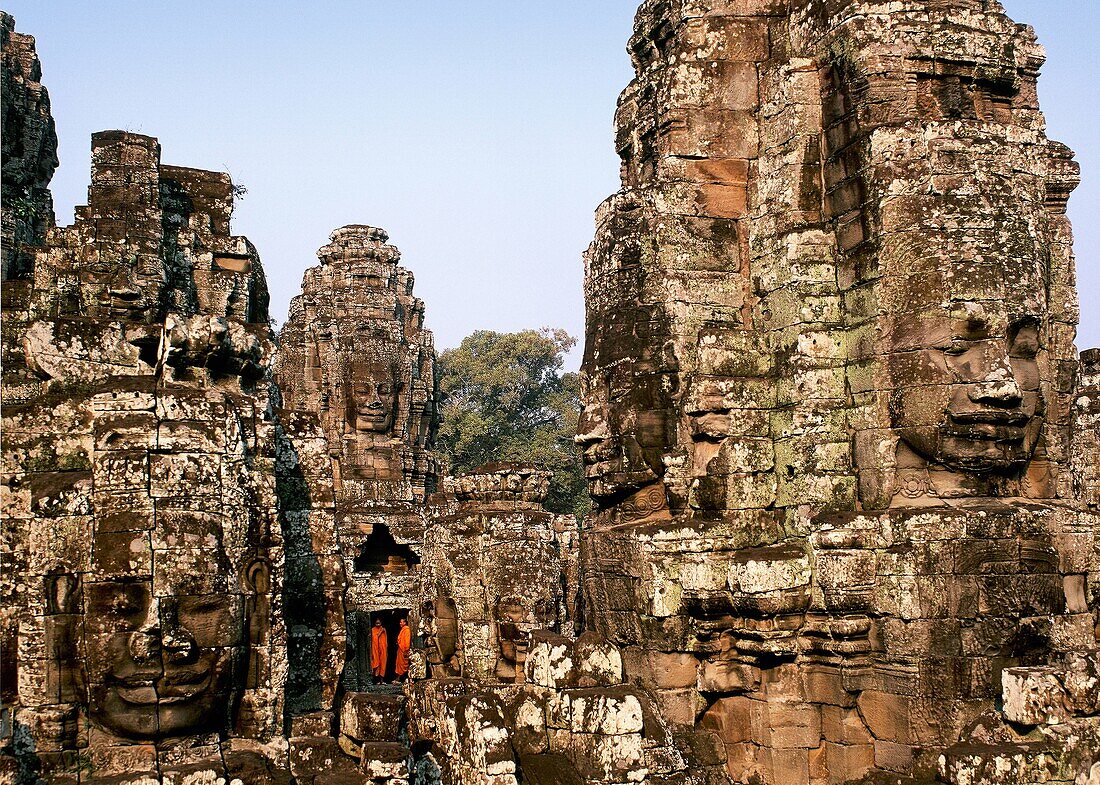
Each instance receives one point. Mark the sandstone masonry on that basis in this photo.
(842, 451)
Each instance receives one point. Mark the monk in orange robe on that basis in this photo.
(379, 644)
(404, 643)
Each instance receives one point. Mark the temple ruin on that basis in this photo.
(841, 448)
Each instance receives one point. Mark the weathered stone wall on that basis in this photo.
(829, 378)
(1086, 431)
(29, 150)
(354, 353)
(495, 567)
(842, 450)
(157, 513)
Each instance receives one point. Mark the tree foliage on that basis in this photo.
(505, 398)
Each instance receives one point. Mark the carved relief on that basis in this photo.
(821, 314)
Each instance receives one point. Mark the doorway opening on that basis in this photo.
(389, 619)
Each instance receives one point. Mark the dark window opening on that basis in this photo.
(382, 553)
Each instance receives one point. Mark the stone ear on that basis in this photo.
(62, 590)
(256, 577)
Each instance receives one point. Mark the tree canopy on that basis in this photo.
(505, 398)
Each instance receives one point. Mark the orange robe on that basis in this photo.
(404, 643)
(378, 654)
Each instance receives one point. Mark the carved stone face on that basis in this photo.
(622, 434)
(372, 398)
(164, 644)
(513, 637)
(112, 291)
(966, 390)
(441, 627)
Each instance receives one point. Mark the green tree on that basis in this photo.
(505, 398)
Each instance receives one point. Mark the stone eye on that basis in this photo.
(1025, 351)
(1025, 343)
(956, 347)
(204, 606)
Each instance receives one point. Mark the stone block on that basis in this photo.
(597, 661)
(380, 759)
(727, 676)
(367, 716)
(786, 766)
(826, 685)
(317, 723)
(894, 757)
(1033, 696)
(843, 726)
(730, 718)
(886, 715)
(603, 711)
(1081, 681)
(314, 755)
(672, 670)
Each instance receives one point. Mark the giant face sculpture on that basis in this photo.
(607, 432)
(623, 435)
(967, 322)
(629, 371)
(114, 289)
(164, 645)
(514, 623)
(967, 391)
(372, 397)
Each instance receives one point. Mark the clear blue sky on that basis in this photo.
(478, 133)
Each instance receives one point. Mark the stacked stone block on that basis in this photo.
(829, 381)
(157, 513)
(29, 151)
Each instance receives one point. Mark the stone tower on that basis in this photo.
(354, 350)
(356, 355)
(29, 149)
(153, 523)
(828, 375)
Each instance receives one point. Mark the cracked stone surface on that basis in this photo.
(841, 458)
(842, 451)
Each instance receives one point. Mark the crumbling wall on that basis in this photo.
(356, 356)
(841, 447)
(495, 567)
(355, 351)
(29, 150)
(1086, 431)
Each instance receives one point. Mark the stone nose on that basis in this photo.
(999, 387)
(591, 429)
(145, 641)
(179, 646)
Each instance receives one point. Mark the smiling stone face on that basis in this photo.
(163, 636)
(966, 386)
(372, 397)
(621, 435)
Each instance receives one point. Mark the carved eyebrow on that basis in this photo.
(1024, 322)
(124, 580)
